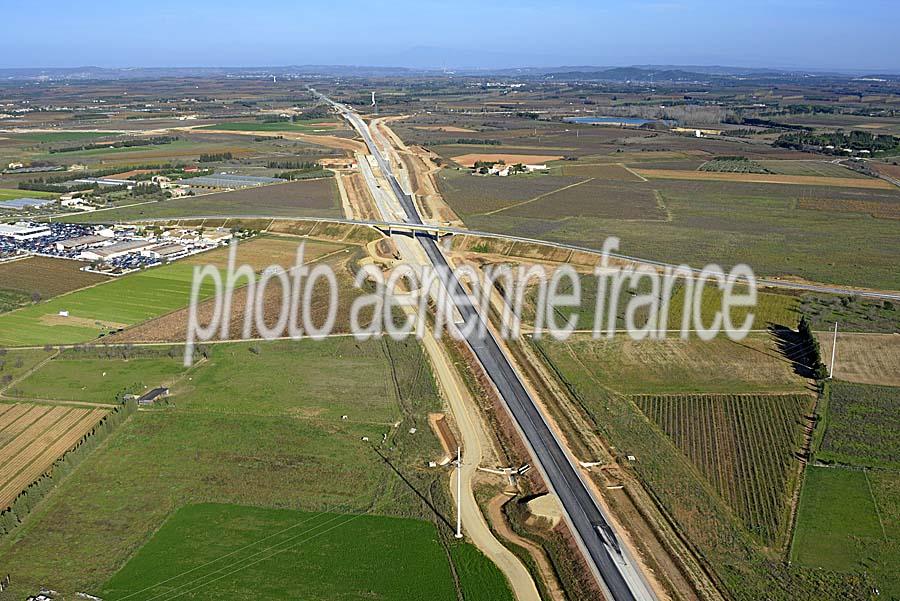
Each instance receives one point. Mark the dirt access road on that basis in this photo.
(417, 172)
(477, 447)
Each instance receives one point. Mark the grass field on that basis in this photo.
(861, 425)
(13, 193)
(72, 377)
(62, 136)
(12, 299)
(712, 222)
(14, 363)
(744, 445)
(836, 511)
(810, 168)
(244, 376)
(32, 437)
(849, 514)
(217, 441)
(176, 146)
(234, 552)
(800, 180)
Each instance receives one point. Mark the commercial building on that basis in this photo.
(81, 242)
(119, 249)
(167, 252)
(24, 231)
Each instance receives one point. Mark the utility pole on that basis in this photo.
(833, 349)
(458, 492)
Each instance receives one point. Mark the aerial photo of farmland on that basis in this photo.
(519, 302)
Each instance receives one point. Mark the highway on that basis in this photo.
(617, 572)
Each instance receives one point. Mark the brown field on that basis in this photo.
(46, 276)
(259, 253)
(301, 198)
(761, 178)
(335, 142)
(593, 198)
(888, 169)
(32, 437)
(601, 171)
(468, 160)
(879, 210)
(864, 358)
(447, 128)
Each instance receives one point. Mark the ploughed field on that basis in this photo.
(33, 437)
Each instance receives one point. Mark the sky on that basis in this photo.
(798, 34)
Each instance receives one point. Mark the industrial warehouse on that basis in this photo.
(115, 250)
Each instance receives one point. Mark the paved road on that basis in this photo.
(618, 573)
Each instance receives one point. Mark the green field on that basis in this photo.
(306, 126)
(12, 299)
(270, 438)
(233, 552)
(93, 311)
(14, 363)
(71, 377)
(849, 514)
(13, 193)
(302, 388)
(177, 145)
(62, 136)
(849, 521)
(860, 425)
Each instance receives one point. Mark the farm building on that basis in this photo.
(18, 204)
(150, 397)
(24, 231)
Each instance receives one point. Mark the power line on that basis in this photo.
(248, 545)
(237, 567)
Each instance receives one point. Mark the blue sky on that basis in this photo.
(818, 34)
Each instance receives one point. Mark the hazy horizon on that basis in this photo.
(815, 35)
